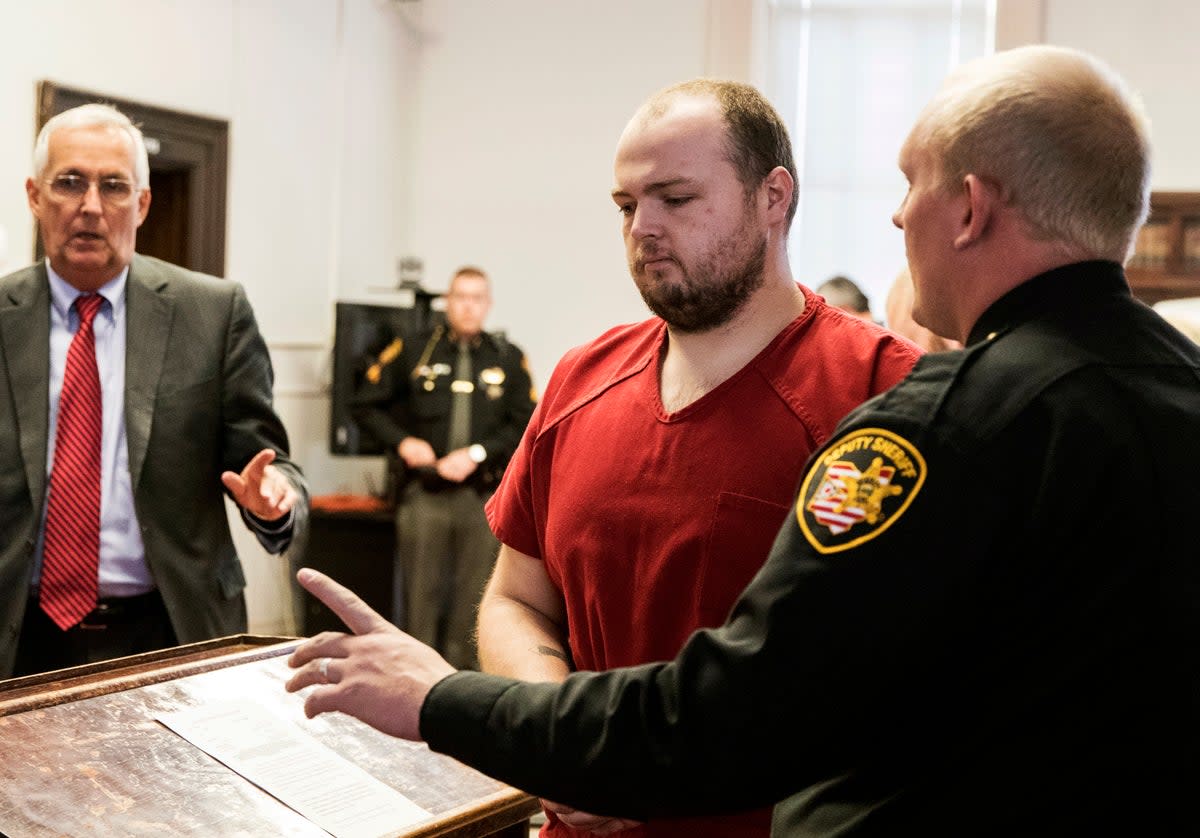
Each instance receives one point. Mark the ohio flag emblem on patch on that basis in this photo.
(858, 488)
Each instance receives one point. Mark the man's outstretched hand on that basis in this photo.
(377, 674)
(261, 489)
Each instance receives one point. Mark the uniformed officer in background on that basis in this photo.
(452, 404)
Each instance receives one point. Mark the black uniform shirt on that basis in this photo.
(983, 616)
(408, 390)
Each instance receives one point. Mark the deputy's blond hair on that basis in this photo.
(1059, 133)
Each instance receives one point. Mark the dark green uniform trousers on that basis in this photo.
(445, 551)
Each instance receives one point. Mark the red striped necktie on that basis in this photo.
(71, 556)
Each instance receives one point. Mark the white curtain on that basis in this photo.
(849, 77)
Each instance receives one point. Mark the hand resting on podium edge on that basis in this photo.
(377, 674)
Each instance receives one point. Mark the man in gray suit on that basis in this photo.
(125, 549)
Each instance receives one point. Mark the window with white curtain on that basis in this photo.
(849, 77)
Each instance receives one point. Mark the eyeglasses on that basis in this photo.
(114, 191)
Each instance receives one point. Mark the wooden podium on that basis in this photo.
(82, 754)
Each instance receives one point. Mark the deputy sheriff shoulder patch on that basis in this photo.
(859, 487)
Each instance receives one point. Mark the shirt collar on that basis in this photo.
(63, 293)
(1064, 286)
(473, 342)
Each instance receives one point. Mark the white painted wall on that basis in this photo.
(1153, 45)
(520, 107)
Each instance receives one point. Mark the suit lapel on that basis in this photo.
(150, 308)
(25, 332)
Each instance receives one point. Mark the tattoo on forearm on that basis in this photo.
(554, 653)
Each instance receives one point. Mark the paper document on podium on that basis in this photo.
(296, 769)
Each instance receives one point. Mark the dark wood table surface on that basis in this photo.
(81, 754)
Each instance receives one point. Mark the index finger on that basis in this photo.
(359, 617)
(254, 468)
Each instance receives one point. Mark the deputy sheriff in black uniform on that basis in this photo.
(452, 404)
(982, 617)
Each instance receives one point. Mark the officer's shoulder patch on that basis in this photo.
(861, 485)
(389, 354)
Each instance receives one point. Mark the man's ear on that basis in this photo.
(33, 194)
(143, 205)
(780, 188)
(981, 200)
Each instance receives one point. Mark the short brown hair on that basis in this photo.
(758, 140)
(469, 270)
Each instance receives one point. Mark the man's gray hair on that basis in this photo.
(86, 116)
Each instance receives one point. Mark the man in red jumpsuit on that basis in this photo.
(664, 455)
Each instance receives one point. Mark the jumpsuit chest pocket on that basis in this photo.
(743, 530)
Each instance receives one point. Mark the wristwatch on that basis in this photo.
(477, 453)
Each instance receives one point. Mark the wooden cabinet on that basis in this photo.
(355, 547)
(1166, 260)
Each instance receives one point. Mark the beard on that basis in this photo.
(710, 294)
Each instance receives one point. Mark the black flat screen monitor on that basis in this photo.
(361, 331)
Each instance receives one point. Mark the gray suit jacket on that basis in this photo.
(197, 402)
